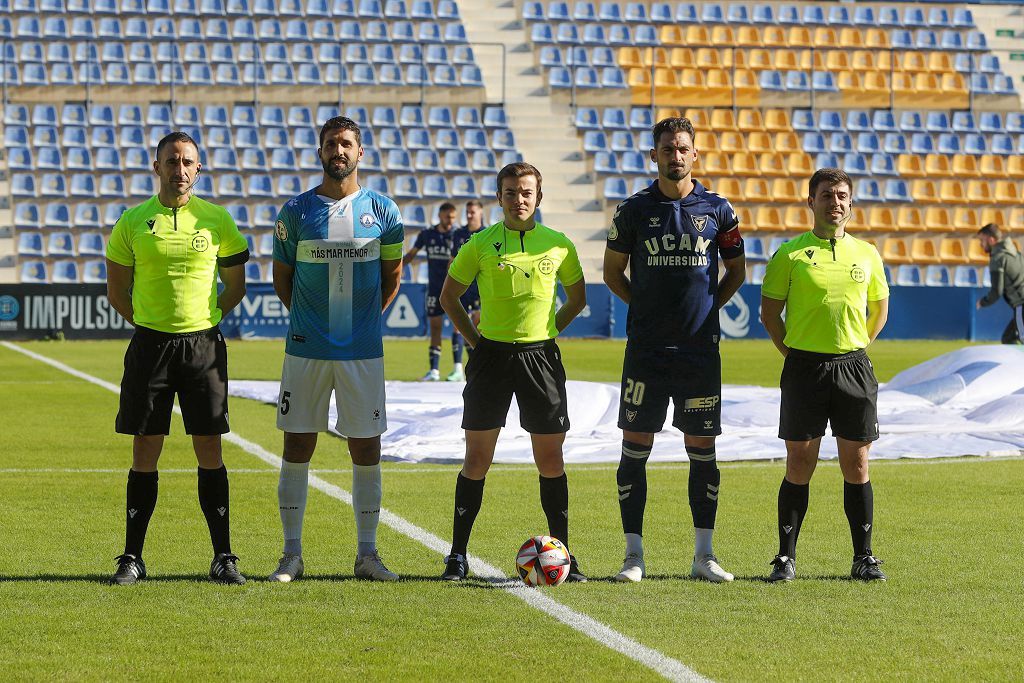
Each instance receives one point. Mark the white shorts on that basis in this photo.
(303, 406)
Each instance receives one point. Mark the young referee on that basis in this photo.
(833, 289)
(163, 258)
(518, 264)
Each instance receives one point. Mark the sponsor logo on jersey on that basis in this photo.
(367, 220)
(699, 222)
(281, 230)
(700, 403)
(660, 248)
(857, 274)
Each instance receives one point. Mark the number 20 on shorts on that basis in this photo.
(634, 392)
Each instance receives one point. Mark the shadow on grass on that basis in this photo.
(98, 578)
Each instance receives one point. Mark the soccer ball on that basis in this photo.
(543, 561)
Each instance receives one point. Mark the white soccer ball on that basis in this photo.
(543, 561)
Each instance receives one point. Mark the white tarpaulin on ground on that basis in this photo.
(968, 402)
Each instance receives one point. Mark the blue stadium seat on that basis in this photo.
(830, 121)
(615, 189)
(855, 163)
(937, 122)
(966, 276)
(883, 164)
(963, 18)
(15, 136)
(976, 41)
(824, 81)
(952, 40)
(595, 141)
(1003, 85)
(107, 159)
(990, 122)
(584, 11)
(426, 160)
(614, 118)
(20, 159)
(34, 272)
(712, 13)
(803, 121)
(868, 143)
(622, 141)
(230, 185)
(910, 122)
(558, 78)
(925, 39)
(895, 143)
(260, 185)
(814, 143)
(980, 84)
(867, 191)
(839, 15)
(64, 272)
(896, 190)
(30, 244)
(620, 35)
(840, 143)
(921, 143)
(949, 143)
(445, 76)
(449, 10)
(482, 161)
(635, 12)
(788, 14)
(762, 14)
(464, 187)
(435, 187)
(606, 162)
(635, 163)
(963, 122)
(813, 15)
(797, 81)
(975, 144)
(90, 243)
(908, 276)
(475, 138)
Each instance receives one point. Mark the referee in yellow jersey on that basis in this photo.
(517, 264)
(163, 258)
(833, 289)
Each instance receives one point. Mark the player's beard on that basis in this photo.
(346, 170)
(675, 173)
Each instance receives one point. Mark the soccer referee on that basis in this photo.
(833, 289)
(163, 258)
(518, 264)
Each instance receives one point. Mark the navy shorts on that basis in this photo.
(820, 388)
(691, 378)
(434, 303)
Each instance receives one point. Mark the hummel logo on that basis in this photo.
(809, 252)
(132, 513)
(497, 247)
(655, 222)
(787, 529)
(461, 511)
(866, 527)
(222, 510)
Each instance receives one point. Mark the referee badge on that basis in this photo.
(281, 230)
(857, 274)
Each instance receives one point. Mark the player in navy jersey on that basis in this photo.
(337, 264)
(670, 235)
(471, 299)
(437, 241)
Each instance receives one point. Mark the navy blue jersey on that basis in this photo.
(438, 246)
(459, 237)
(673, 247)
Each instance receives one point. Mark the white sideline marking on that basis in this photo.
(662, 664)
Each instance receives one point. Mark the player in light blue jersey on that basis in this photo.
(337, 264)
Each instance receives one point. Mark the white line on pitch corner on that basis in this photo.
(666, 666)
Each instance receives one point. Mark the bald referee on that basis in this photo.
(163, 258)
(833, 289)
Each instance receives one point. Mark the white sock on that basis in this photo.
(703, 544)
(635, 544)
(366, 496)
(458, 367)
(292, 488)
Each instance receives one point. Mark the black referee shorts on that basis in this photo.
(532, 371)
(158, 365)
(820, 388)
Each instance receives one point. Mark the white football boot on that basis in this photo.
(633, 569)
(288, 569)
(706, 567)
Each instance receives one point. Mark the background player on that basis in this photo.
(163, 258)
(471, 299)
(1006, 266)
(437, 241)
(826, 280)
(337, 265)
(518, 263)
(670, 235)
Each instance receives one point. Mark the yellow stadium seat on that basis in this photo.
(952, 192)
(760, 142)
(858, 220)
(732, 141)
(979, 192)
(759, 59)
(755, 190)
(1006, 192)
(714, 163)
(883, 60)
(1014, 166)
(799, 36)
(708, 58)
(965, 166)
(800, 165)
(666, 83)
(877, 88)
(771, 164)
(774, 36)
(877, 38)
(729, 187)
(671, 34)
(851, 38)
(681, 57)
(939, 62)
(744, 164)
(938, 219)
(798, 218)
(786, 60)
(745, 216)
(825, 38)
(812, 60)
(697, 35)
(863, 60)
(706, 140)
(882, 219)
(785, 190)
(639, 77)
(994, 215)
(896, 250)
(750, 120)
(728, 58)
(911, 62)
(669, 113)
(657, 56)
(909, 219)
(723, 35)
(966, 219)
(787, 142)
(723, 119)
(924, 250)
(1015, 220)
(910, 166)
(837, 60)
(903, 88)
(776, 121)
(768, 218)
(951, 92)
(717, 90)
(926, 84)
(630, 57)
(749, 36)
(937, 165)
(952, 251)
(699, 118)
(850, 85)
(747, 88)
(975, 254)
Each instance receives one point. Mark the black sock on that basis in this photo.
(213, 499)
(859, 502)
(554, 498)
(705, 479)
(792, 508)
(631, 478)
(435, 357)
(456, 347)
(141, 501)
(469, 494)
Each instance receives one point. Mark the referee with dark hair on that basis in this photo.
(833, 289)
(163, 258)
(518, 264)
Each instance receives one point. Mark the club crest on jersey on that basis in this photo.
(699, 222)
(200, 242)
(613, 231)
(367, 220)
(630, 415)
(857, 274)
(281, 230)
(546, 266)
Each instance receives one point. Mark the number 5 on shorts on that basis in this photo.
(285, 405)
(634, 392)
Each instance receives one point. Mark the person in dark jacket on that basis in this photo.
(1007, 266)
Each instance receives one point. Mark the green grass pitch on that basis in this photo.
(948, 531)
